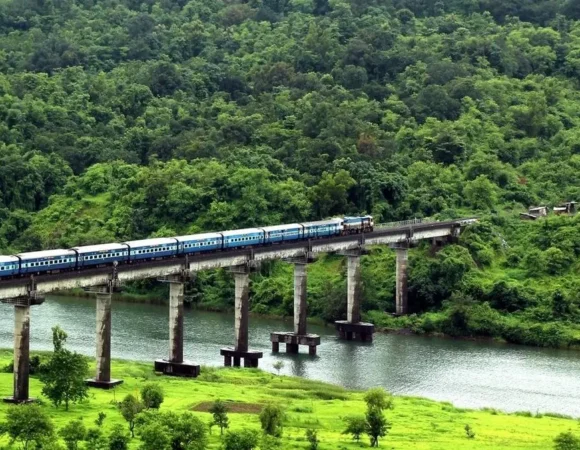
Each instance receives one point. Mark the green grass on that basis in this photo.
(417, 423)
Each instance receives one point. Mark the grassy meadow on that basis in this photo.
(417, 423)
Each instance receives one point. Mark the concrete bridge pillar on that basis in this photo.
(402, 306)
(242, 314)
(21, 369)
(103, 379)
(175, 365)
(300, 335)
(21, 354)
(353, 328)
(354, 289)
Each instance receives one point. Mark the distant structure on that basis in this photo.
(568, 208)
(535, 212)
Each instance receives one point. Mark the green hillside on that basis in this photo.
(134, 118)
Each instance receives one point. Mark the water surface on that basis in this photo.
(468, 374)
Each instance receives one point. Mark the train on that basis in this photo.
(131, 252)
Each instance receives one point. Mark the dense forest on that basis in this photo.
(134, 118)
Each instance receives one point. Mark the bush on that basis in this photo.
(240, 440)
(271, 419)
(312, 438)
(566, 441)
(152, 395)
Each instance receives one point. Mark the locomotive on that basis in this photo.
(78, 258)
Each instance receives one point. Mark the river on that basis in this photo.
(468, 374)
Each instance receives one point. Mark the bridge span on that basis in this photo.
(26, 292)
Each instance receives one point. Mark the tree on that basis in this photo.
(152, 395)
(240, 440)
(118, 439)
(566, 441)
(130, 407)
(481, 193)
(95, 439)
(378, 398)
(271, 419)
(219, 412)
(377, 425)
(312, 438)
(154, 436)
(278, 366)
(64, 374)
(73, 433)
(469, 432)
(186, 432)
(355, 426)
(27, 424)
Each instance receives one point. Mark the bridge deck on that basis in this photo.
(15, 288)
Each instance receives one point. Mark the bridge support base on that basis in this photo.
(177, 369)
(360, 331)
(293, 342)
(234, 357)
(111, 384)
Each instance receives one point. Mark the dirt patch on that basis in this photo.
(233, 407)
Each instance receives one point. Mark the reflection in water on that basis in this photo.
(469, 374)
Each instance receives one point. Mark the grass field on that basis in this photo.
(417, 423)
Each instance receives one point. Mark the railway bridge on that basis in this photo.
(24, 293)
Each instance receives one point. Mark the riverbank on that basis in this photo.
(417, 423)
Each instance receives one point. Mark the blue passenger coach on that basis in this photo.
(47, 261)
(197, 243)
(322, 228)
(151, 248)
(9, 265)
(243, 238)
(283, 233)
(94, 255)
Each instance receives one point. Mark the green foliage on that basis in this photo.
(27, 425)
(63, 376)
(179, 117)
(377, 425)
(312, 438)
(219, 412)
(152, 395)
(130, 407)
(566, 441)
(118, 438)
(154, 436)
(469, 432)
(378, 398)
(355, 426)
(272, 420)
(240, 440)
(172, 431)
(73, 433)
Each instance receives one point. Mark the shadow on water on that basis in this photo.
(469, 374)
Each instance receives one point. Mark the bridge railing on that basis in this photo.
(403, 223)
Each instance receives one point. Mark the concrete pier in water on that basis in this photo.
(103, 379)
(402, 304)
(300, 336)
(353, 328)
(176, 365)
(240, 351)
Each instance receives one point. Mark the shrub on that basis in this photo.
(152, 396)
(271, 419)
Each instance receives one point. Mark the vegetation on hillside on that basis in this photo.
(134, 118)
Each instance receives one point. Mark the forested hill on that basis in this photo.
(129, 118)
